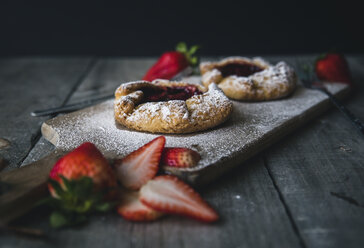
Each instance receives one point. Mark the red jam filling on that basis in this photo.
(239, 69)
(170, 93)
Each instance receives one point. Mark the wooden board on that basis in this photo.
(252, 127)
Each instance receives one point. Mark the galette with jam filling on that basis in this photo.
(164, 106)
(250, 79)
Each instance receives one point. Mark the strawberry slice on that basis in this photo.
(180, 157)
(141, 165)
(132, 209)
(168, 194)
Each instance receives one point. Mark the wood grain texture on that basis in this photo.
(24, 187)
(251, 216)
(87, 89)
(105, 76)
(26, 85)
(320, 176)
(286, 201)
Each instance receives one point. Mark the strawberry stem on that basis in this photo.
(189, 53)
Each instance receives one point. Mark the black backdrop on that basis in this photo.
(143, 28)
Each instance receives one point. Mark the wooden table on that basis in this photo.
(305, 191)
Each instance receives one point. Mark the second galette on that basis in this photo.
(250, 79)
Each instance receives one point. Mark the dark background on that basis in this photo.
(144, 28)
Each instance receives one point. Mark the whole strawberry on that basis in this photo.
(80, 183)
(333, 67)
(84, 161)
(172, 62)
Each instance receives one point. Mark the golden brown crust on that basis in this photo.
(197, 113)
(272, 82)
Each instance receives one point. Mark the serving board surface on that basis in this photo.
(251, 128)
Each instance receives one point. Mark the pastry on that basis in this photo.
(250, 79)
(164, 106)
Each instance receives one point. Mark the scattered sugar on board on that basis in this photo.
(248, 124)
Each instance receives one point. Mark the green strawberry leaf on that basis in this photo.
(66, 183)
(84, 207)
(58, 219)
(181, 47)
(76, 201)
(189, 53)
(194, 60)
(61, 219)
(193, 49)
(56, 186)
(103, 207)
(83, 187)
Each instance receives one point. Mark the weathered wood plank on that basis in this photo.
(108, 74)
(21, 189)
(28, 84)
(252, 213)
(320, 175)
(317, 172)
(103, 79)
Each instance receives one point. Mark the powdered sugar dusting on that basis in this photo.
(166, 113)
(207, 104)
(212, 76)
(163, 110)
(248, 127)
(272, 82)
(273, 78)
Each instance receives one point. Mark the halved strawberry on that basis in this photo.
(180, 157)
(131, 208)
(141, 165)
(168, 194)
